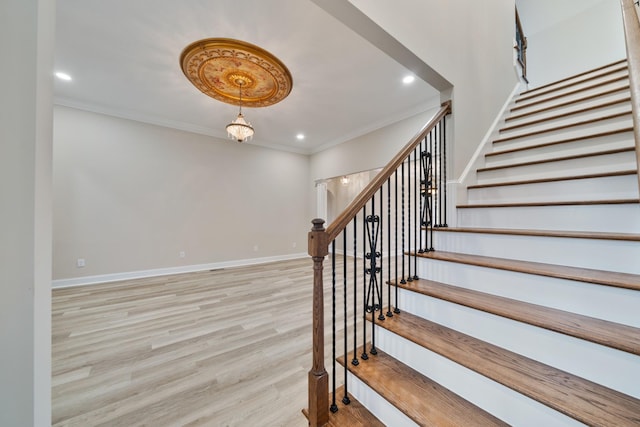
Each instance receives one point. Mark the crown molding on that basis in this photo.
(171, 124)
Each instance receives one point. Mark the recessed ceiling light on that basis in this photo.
(408, 80)
(300, 136)
(63, 76)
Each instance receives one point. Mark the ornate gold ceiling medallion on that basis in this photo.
(219, 67)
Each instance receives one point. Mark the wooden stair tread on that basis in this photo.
(423, 400)
(561, 85)
(554, 179)
(351, 415)
(545, 233)
(587, 275)
(560, 141)
(575, 76)
(565, 126)
(576, 397)
(567, 114)
(559, 159)
(554, 203)
(622, 337)
(566, 103)
(566, 94)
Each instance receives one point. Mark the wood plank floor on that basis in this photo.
(230, 347)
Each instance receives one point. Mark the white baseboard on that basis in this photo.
(104, 278)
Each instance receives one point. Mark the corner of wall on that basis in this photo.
(458, 186)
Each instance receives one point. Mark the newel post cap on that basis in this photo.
(318, 245)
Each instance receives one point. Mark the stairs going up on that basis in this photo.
(528, 312)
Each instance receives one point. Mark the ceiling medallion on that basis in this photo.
(219, 67)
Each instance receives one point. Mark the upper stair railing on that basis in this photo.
(632, 38)
(393, 216)
(521, 46)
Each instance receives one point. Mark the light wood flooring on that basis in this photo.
(230, 347)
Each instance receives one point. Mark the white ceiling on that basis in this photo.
(123, 56)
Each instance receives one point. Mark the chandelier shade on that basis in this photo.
(239, 129)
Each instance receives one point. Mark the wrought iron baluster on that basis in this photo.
(389, 313)
(380, 284)
(441, 183)
(355, 361)
(423, 201)
(403, 281)
(409, 211)
(430, 189)
(416, 225)
(443, 135)
(364, 355)
(397, 276)
(333, 408)
(373, 234)
(345, 397)
(427, 188)
(416, 228)
(436, 177)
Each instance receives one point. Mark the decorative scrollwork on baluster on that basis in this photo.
(373, 233)
(426, 189)
(373, 291)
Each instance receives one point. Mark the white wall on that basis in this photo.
(589, 39)
(26, 37)
(470, 43)
(130, 196)
(369, 151)
(364, 153)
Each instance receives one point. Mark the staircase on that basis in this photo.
(528, 312)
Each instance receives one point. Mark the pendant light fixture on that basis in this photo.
(239, 129)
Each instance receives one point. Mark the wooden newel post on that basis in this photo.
(318, 377)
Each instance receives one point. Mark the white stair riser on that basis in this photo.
(527, 126)
(564, 168)
(602, 302)
(599, 254)
(615, 218)
(578, 131)
(605, 98)
(582, 146)
(376, 404)
(487, 394)
(573, 355)
(605, 188)
(522, 106)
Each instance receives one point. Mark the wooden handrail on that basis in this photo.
(334, 229)
(632, 38)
